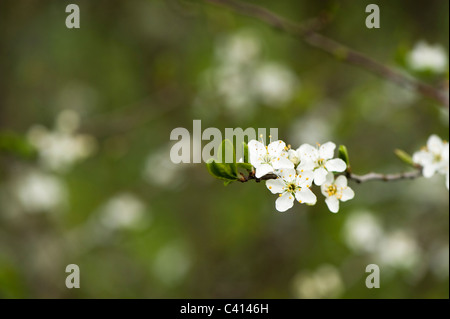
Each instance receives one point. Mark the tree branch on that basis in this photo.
(252, 176)
(357, 178)
(336, 49)
(383, 177)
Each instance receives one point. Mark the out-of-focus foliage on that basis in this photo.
(86, 178)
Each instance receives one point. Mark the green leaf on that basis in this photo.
(246, 166)
(229, 172)
(246, 156)
(220, 170)
(226, 150)
(343, 155)
(404, 157)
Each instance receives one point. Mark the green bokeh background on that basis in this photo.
(133, 72)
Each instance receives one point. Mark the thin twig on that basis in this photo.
(336, 49)
(384, 177)
(357, 178)
(251, 176)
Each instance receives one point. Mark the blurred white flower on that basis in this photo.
(274, 84)
(240, 78)
(362, 232)
(123, 211)
(239, 48)
(425, 57)
(171, 264)
(398, 250)
(325, 282)
(38, 192)
(160, 171)
(60, 149)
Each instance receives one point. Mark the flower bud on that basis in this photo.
(293, 157)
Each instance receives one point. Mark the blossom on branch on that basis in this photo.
(268, 159)
(291, 186)
(336, 190)
(434, 158)
(319, 160)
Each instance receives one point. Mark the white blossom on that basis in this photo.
(319, 160)
(335, 191)
(291, 186)
(434, 158)
(267, 159)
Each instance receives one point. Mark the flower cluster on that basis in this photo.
(433, 158)
(296, 171)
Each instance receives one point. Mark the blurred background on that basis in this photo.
(86, 178)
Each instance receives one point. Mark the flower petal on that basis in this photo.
(287, 174)
(305, 178)
(444, 154)
(306, 164)
(333, 204)
(262, 170)
(282, 162)
(284, 202)
(335, 165)
(307, 151)
(435, 144)
(347, 194)
(305, 195)
(275, 148)
(422, 158)
(341, 181)
(326, 151)
(324, 189)
(329, 179)
(428, 170)
(320, 175)
(256, 149)
(275, 185)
